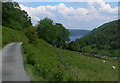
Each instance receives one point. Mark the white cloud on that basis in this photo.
(35, 19)
(103, 7)
(81, 18)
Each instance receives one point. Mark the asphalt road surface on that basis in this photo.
(12, 63)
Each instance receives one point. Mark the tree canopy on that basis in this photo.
(53, 33)
(14, 17)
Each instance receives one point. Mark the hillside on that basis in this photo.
(102, 40)
(75, 32)
(10, 35)
(47, 63)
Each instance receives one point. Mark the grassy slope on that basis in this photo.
(50, 63)
(11, 35)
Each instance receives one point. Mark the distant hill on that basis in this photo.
(77, 32)
(102, 40)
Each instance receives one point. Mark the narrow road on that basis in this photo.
(12, 64)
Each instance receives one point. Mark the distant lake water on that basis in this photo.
(73, 38)
(77, 34)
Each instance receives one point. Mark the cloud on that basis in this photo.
(35, 19)
(103, 7)
(81, 18)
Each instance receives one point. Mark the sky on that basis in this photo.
(73, 15)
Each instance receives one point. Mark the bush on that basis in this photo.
(32, 35)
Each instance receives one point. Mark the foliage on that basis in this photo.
(53, 33)
(13, 17)
(73, 46)
(31, 34)
(104, 38)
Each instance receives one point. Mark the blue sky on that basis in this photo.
(73, 15)
(70, 4)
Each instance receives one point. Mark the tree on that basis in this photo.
(53, 33)
(13, 17)
(63, 34)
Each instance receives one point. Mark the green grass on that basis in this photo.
(47, 63)
(11, 35)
